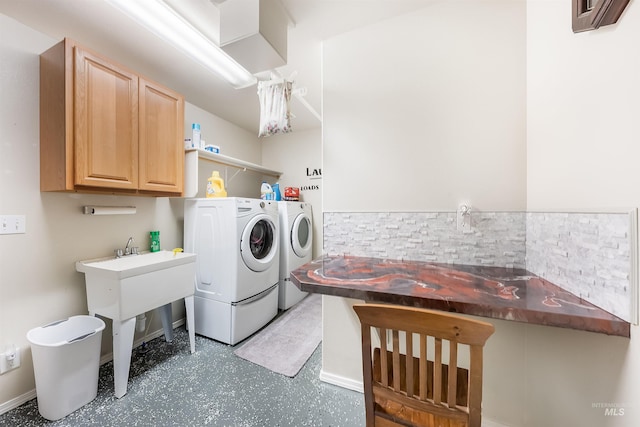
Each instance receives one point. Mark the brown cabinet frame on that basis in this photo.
(124, 157)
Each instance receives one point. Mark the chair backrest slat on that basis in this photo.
(396, 361)
(409, 365)
(423, 367)
(437, 372)
(475, 383)
(383, 357)
(452, 374)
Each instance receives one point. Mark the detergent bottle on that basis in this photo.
(276, 192)
(266, 192)
(155, 241)
(196, 139)
(215, 185)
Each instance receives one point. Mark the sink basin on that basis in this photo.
(134, 265)
(121, 288)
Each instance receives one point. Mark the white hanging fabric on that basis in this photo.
(274, 96)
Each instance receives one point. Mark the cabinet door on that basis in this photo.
(161, 166)
(106, 123)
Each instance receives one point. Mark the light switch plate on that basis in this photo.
(13, 224)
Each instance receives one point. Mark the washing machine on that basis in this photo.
(296, 240)
(237, 242)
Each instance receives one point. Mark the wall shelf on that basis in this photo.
(192, 155)
(230, 161)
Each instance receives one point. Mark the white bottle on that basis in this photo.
(195, 135)
(266, 192)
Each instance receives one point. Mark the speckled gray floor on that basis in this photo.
(168, 386)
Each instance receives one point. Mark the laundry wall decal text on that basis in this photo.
(312, 174)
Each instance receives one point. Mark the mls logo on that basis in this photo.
(613, 412)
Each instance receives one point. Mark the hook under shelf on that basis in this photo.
(234, 175)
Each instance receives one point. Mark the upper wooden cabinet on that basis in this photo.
(104, 128)
(105, 123)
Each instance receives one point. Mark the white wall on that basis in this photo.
(233, 142)
(582, 153)
(413, 105)
(38, 281)
(583, 110)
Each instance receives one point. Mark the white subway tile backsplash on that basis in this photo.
(494, 239)
(587, 254)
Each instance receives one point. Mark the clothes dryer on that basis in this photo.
(237, 243)
(296, 240)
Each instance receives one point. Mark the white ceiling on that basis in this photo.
(101, 27)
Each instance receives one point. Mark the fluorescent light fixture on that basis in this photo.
(165, 23)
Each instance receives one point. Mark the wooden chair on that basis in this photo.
(408, 390)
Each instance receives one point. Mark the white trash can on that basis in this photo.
(66, 362)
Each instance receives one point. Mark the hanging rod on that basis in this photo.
(298, 92)
(230, 161)
(272, 81)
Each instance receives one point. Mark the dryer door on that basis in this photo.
(301, 235)
(259, 244)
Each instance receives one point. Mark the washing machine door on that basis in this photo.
(259, 244)
(301, 235)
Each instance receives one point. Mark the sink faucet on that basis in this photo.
(128, 249)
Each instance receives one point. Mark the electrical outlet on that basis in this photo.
(463, 217)
(13, 224)
(10, 359)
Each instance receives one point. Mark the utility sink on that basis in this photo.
(122, 288)
(134, 265)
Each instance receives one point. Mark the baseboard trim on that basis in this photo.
(17, 401)
(340, 381)
(31, 394)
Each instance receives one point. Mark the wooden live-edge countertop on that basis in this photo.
(494, 292)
